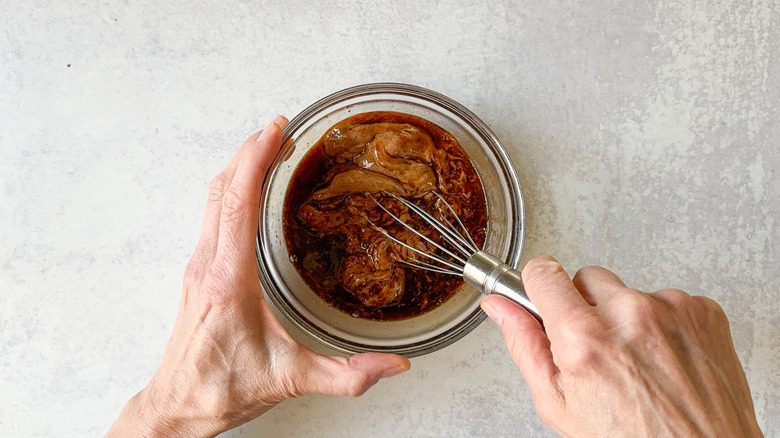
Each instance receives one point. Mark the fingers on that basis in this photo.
(351, 376)
(550, 289)
(209, 235)
(219, 185)
(597, 285)
(527, 344)
(238, 216)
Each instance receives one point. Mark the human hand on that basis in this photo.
(229, 360)
(618, 362)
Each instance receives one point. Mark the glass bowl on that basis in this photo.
(412, 336)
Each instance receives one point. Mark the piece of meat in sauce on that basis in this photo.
(369, 271)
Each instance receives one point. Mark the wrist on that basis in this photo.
(138, 418)
(155, 413)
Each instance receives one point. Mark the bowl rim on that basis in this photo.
(517, 234)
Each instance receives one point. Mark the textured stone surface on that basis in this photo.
(646, 135)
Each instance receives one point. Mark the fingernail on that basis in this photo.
(279, 121)
(390, 372)
(266, 132)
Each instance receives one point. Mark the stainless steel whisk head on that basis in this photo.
(456, 237)
(464, 258)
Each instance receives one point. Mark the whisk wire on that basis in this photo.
(422, 236)
(457, 270)
(447, 234)
(429, 267)
(473, 247)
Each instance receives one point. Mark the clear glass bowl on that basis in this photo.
(413, 336)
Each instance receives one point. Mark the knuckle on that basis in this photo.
(217, 283)
(290, 388)
(675, 298)
(712, 308)
(517, 345)
(584, 276)
(195, 268)
(213, 290)
(708, 303)
(641, 315)
(358, 384)
(233, 206)
(580, 345)
(538, 270)
(637, 306)
(580, 327)
(582, 356)
(597, 277)
(192, 272)
(219, 185)
(288, 382)
(588, 271)
(356, 381)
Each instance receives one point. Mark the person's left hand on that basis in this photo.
(229, 360)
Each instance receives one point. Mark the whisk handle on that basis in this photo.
(490, 275)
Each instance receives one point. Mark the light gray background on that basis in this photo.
(646, 136)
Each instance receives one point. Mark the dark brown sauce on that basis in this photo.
(318, 255)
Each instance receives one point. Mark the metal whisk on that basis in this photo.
(482, 270)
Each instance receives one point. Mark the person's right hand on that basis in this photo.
(618, 362)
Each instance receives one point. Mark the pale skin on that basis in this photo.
(610, 361)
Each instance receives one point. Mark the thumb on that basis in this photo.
(354, 375)
(528, 346)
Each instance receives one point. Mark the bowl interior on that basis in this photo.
(339, 330)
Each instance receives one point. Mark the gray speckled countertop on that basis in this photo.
(646, 136)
